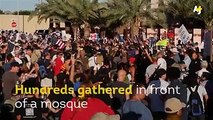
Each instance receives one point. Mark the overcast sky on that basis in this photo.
(14, 5)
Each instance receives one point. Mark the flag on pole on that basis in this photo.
(11, 46)
(1, 41)
(60, 43)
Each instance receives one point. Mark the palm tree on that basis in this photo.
(178, 11)
(128, 12)
(158, 16)
(182, 11)
(78, 12)
(47, 10)
(82, 11)
(207, 16)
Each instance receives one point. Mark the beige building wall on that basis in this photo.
(22, 23)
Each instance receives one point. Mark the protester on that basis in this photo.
(156, 96)
(104, 116)
(132, 69)
(161, 61)
(195, 64)
(133, 108)
(151, 69)
(196, 96)
(204, 66)
(180, 93)
(173, 108)
(10, 79)
(187, 60)
(209, 91)
(9, 59)
(30, 107)
(94, 106)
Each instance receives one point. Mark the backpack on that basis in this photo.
(42, 68)
(42, 71)
(195, 103)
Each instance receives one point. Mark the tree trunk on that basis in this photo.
(75, 31)
(102, 33)
(57, 25)
(51, 25)
(134, 28)
(211, 52)
(87, 30)
(208, 44)
(68, 29)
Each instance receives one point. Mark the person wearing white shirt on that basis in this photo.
(201, 91)
(151, 69)
(187, 60)
(206, 76)
(163, 83)
(28, 54)
(17, 59)
(161, 73)
(204, 65)
(193, 83)
(91, 61)
(155, 90)
(161, 61)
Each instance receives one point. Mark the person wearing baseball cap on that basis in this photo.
(132, 69)
(104, 116)
(10, 79)
(15, 64)
(173, 108)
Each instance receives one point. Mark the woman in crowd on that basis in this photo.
(133, 108)
(93, 106)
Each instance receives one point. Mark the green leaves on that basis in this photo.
(123, 12)
(183, 10)
(74, 10)
(206, 13)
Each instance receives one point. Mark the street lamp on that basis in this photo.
(17, 3)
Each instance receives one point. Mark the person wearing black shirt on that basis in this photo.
(195, 64)
(32, 110)
(58, 98)
(142, 62)
(30, 107)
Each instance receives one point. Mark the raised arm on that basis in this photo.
(149, 57)
(72, 71)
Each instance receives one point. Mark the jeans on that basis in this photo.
(201, 117)
(158, 115)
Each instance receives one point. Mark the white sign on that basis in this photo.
(93, 36)
(63, 33)
(184, 35)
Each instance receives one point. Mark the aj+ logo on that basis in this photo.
(198, 9)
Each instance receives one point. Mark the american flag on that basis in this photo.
(1, 41)
(60, 43)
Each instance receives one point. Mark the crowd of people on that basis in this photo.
(39, 61)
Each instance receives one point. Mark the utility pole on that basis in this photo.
(17, 3)
(211, 51)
